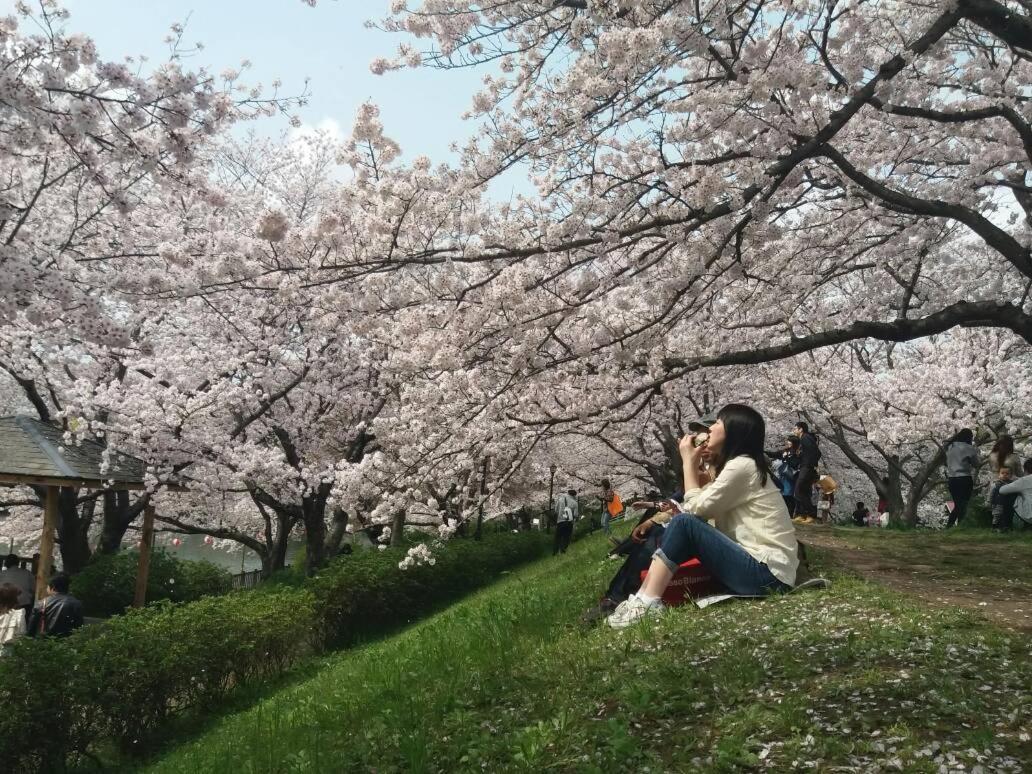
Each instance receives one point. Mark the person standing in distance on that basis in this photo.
(809, 456)
(961, 462)
(567, 511)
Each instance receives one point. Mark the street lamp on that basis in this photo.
(4, 513)
(551, 496)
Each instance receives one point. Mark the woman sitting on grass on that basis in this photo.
(753, 549)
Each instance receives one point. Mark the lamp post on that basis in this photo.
(551, 497)
(4, 513)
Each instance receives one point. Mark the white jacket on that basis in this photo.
(752, 515)
(12, 626)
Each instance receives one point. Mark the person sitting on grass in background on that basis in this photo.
(637, 553)
(1002, 505)
(861, 515)
(1022, 489)
(12, 617)
(752, 550)
(826, 487)
(59, 613)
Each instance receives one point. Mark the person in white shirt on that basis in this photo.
(12, 617)
(21, 579)
(567, 511)
(752, 550)
(1022, 487)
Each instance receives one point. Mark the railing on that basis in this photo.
(247, 580)
(27, 562)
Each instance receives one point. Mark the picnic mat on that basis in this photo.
(712, 599)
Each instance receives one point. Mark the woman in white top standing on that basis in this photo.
(753, 548)
(12, 617)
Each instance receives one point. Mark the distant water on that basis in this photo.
(193, 548)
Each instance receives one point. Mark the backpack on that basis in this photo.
(566, 515)
(615, 505)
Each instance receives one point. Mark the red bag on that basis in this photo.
(691, 581)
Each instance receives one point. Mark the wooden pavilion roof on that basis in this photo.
(35, 452)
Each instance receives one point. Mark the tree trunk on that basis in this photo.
(73, 530)
(277, 557)
(118, 515)
(337, 532)
(315, 538)
(893, 494)
(397, 528)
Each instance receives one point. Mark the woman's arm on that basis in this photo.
(729, 489)
(1020, 486)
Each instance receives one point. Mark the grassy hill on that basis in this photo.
(856, 678)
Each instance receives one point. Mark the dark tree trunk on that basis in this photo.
(894, 493)
(73, 530)
(277, 555)
(119, 514)
(315, 540)
(665, 478)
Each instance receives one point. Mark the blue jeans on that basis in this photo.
(688, 536)
(605, 520)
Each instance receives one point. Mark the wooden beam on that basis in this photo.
(16, 479)
(46, 542)
(143, 568)
(20, 479)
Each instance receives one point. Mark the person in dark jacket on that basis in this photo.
(786, 470)
(809, 456)
(59, 613)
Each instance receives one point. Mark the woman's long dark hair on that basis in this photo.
(744, 431)
(962, 436)
(1004, 447)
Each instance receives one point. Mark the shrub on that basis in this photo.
(120, 681)
(108, 583)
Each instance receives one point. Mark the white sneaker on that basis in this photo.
(632, 610)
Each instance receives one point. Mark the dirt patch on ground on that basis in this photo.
(1007, 602)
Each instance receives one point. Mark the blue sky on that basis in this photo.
(287, 39)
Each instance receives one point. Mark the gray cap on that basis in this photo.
(703, 423)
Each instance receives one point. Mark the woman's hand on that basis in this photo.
(690, 453)
(639, 533)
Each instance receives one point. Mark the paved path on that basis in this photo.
(1006, 601)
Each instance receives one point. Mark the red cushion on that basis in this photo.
(691, 580)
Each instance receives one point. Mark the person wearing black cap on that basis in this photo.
(637, 551)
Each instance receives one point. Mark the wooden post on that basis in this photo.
(143, 568)
(46, 542)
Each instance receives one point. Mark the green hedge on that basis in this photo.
(120, 681)
(108, 583)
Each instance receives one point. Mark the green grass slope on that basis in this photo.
(851, 679)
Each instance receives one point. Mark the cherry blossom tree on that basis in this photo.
(727, 186)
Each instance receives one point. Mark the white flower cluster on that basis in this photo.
(416, 556)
